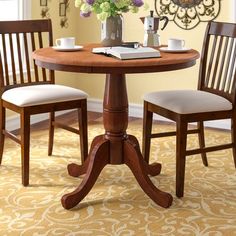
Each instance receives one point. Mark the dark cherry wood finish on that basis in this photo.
(20, 38)
(115, 146)
(217, 75)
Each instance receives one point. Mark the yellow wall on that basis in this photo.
(88, 30)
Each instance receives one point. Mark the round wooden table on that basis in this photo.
(115, 146)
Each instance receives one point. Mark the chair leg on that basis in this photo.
(51, 132)
(25, 147)
(233, 135)
(83, 127)
(147, 129)
(2, 128)
(202, 142)
(181, 143)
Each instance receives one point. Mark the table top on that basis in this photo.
(85, 61)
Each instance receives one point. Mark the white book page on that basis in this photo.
(128, 53)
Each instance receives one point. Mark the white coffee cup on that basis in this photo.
(68, 42)
(176, 44)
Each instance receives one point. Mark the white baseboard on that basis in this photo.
(96, 105)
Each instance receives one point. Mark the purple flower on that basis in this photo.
(90, 2)
(137, 3)
(85, 14)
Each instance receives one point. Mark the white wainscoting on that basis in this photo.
(95, 105)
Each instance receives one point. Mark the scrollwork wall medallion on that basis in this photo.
(187, 14)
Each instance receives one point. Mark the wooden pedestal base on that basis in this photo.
(115, 147)
(99, 157)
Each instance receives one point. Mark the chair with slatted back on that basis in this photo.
(28, 90)
(214, 99)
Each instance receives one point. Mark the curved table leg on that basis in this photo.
(134, 160)
(151, 169)
(98, 158)
(77, 170)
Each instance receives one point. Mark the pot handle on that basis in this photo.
(166, 19)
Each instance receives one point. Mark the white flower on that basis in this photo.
(103, 16)
(77, 3)
(105, 6)
(134, 9)
(146, 6)
(85, 7)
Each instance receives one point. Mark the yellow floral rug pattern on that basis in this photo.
(116, 205)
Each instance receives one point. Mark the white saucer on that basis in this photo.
(166, 49)
(75, 48)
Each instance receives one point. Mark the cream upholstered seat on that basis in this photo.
(188, 101)
(42, 94)
(29, 90)
(215, 99)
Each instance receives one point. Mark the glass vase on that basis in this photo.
(111, 31)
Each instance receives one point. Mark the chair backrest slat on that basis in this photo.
(33, 48)
(13, 68)
(228, 58)
(231, 69)
(1, 74)
(218, 60)
(216, 63)
(211, 61)
(7, 81)
(19, 58)
(27, 60)
(222, 62)
(18, 41)
(41, 45)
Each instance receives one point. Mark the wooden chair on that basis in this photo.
(27, 90)
(214, 99)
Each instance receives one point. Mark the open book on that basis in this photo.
(124, 53)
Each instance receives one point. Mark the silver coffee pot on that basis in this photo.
(151, 26)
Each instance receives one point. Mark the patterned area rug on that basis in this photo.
(116, 205)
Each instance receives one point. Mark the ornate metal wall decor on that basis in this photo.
(63, 9)
(44, 9)
(43, 3)
(45, 12)
(64, 22)
(187, 14)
